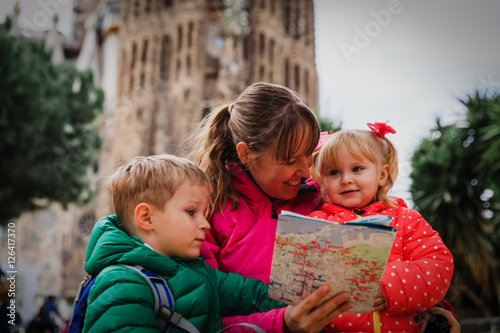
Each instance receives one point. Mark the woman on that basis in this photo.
(257, 152)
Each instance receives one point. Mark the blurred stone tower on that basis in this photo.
(178, 59)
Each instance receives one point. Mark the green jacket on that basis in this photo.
(121, 299)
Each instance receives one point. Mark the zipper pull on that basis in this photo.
(274, 215)
(359, 212)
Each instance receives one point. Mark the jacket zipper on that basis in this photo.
(274, 215)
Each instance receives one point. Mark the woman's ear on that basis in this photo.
(384, 175)
(243, 152)
(144, 216)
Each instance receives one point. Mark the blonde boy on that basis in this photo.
(160, 204)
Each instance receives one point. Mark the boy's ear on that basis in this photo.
(243, 152)
(384, 175)
(143, 216)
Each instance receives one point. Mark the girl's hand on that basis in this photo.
(379, 304)
(454, 325)
(302, 319)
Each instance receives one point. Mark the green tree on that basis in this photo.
(326, 124)
(455, 185)
(47, 124)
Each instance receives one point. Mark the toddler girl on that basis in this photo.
(355, 169)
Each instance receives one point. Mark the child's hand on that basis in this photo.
(301, 319)
(379, 304)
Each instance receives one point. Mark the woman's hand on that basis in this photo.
(379, 304)
(454, 325)
(302, 319)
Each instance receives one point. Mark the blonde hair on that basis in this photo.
(151, 179)
(265, 117)
(361, 144)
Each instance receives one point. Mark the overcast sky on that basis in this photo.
(404, 61)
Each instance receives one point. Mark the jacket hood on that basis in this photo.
(110, 245)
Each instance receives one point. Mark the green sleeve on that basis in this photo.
(243, 296)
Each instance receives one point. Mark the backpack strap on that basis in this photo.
(80, 304)
(164, 302)
(252, 326)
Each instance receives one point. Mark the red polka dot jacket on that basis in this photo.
(417, 275)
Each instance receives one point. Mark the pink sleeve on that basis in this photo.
(271, 321)
(420, 277)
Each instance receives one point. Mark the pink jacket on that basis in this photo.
(417, 275)
(242, 241)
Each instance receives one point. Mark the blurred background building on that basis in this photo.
(163, 65)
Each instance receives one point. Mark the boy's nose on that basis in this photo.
(204, 224)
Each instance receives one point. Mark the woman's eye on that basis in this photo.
(191, 212)
(333, 173)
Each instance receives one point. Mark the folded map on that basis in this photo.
(350, 257)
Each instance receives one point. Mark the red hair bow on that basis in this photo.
(323, 136)
(382, 129)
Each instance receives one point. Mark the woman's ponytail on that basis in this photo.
(213, 149)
